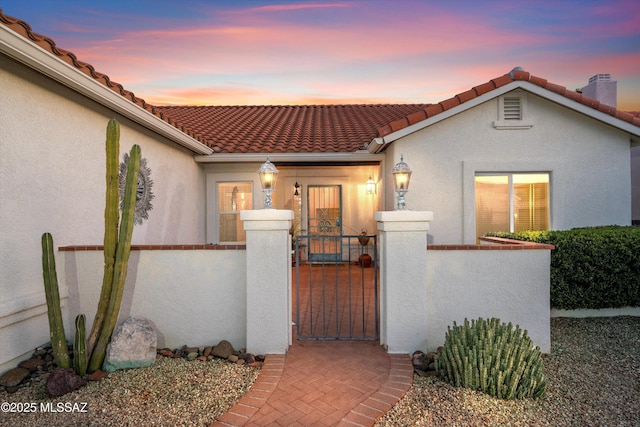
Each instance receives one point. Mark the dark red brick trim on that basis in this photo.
(158, 247)
(493, 244)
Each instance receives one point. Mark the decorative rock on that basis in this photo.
(31, 364)
(240, 362)
(13, 377)
(223, 349)
(202, 358)
(97, 375)
(133, 345)
(63, 381)
(207, 351)
(232, 358)
(192, 355)
(248, 357)
(166, 352)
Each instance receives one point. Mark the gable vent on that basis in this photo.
(512, 108)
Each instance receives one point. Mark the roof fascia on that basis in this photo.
(380, 143)
(17, 47)
(357, 156)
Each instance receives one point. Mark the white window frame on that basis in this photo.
(557, 176)
(506, 110)
(512, 220)
(212, 179)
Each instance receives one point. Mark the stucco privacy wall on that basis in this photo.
(52, 171)
(194, 297)
(588, 164)
(512, 285)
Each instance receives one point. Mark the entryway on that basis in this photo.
(336, 298)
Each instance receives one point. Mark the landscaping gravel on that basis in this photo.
(593, 379)
(593, 376)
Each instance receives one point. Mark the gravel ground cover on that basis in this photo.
(593, 380)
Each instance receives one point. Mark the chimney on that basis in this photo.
(603, 89)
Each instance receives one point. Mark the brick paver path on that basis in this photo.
(323, 383)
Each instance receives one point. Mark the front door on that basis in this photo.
(324, 216)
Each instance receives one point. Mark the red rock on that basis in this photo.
(97, 375)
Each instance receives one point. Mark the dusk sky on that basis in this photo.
(313, 52)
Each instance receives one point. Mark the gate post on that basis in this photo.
(403, 279)
(268, 280)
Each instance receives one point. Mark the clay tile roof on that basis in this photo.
(515, 75)
(305, 128)
(290, 128)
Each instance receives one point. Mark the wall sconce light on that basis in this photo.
(268, 178)
(371, 186)
(401, 178)
(296, 186)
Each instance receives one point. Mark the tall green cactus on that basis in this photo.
(52, 294)
(79, 348)
(110, 230)
(123, 248)
(492, 357)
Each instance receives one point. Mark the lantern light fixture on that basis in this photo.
(268, 179)
(401, 178)
(371, 186)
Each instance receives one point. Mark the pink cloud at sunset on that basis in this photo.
(343, 52)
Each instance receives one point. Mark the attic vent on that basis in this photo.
(512, 108)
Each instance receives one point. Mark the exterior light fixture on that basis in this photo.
(401, 178)
(268, 178)
(371, 186)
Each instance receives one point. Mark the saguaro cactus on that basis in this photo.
(110, 230)
(79, 349)
(123, 248)
(56, 326)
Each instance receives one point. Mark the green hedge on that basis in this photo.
(595, 267)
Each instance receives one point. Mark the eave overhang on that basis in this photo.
(33, 56)
(354, 157)
(380, 143)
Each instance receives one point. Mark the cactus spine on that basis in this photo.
(110, 230)
(492, 357)
(123, 248)
(79, 349)
(56, 327)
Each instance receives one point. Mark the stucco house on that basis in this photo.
(516, 152)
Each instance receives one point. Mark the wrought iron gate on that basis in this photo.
(337, 299)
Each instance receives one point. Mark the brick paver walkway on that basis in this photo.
(323, 383)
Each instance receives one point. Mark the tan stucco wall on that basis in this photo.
(588, 162)
(52, 167)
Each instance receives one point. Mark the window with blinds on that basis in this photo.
(511, 202)
(233, 197)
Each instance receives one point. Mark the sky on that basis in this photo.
(283, 52)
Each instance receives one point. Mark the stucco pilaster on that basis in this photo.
(403, 279)
(268, 280)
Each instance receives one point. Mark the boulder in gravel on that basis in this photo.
(223, 350)
(32, 364)
(63, 381)
(13, 377)
(133, 345)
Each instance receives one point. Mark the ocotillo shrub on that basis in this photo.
(492, 357)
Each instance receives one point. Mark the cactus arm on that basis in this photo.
(110, 229)
(52, 294)
(123, 249)
(79, 348)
